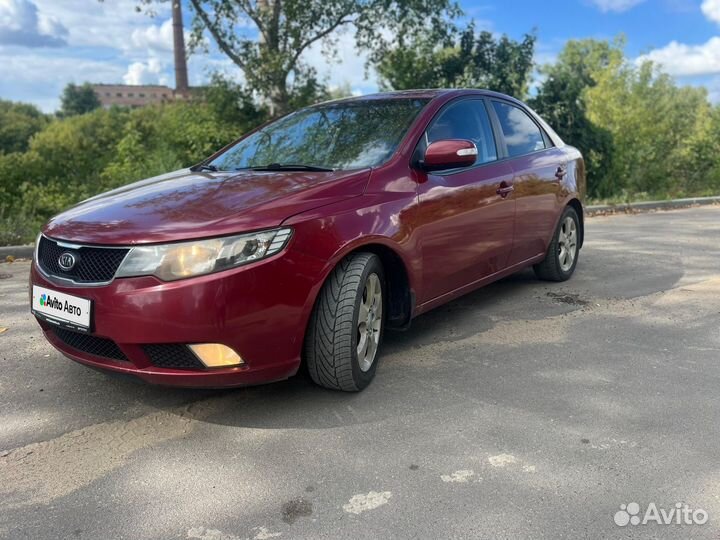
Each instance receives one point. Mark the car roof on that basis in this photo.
(397, 94)
(427, 93)
(449, 93)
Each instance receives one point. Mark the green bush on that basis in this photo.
(77, 149)
(76, 157)
(18, 123)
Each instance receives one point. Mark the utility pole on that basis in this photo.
(181, 74)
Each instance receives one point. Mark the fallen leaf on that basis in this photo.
(9, 259)
(3, 329)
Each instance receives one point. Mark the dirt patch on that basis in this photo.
(295, 509)
(567, 298)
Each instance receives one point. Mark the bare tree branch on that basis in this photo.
(320, 35)
(217, 34)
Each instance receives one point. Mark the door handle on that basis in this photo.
(505, 189)
(561, 172)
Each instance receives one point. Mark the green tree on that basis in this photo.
(78, 99)
(448, 59)
(652, 122)
(19, 122)
(561, 101)
(64, 162)
(17, 225)
(233, 103)
(156, 140)
(266, 39)
(699, 159)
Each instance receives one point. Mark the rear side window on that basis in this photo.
(468, 119)
(522, 135)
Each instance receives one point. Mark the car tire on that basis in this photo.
(564, 249)
(347, 323)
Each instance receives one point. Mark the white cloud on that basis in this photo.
(617, 6)
(711, 9)
(348, 67)
(104, 42)
(150, 72)
(154, 37)
(683, 60)
(200, 68)
(22, 24)
(100, 24)
(40, 78)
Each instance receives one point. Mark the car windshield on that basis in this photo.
(349, 135)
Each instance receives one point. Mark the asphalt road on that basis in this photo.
(524, 410)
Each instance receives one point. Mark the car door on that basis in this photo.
(466, 215)
(538, 169)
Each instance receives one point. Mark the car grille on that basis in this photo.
(94, 345)
(173, 355)
(92, 264)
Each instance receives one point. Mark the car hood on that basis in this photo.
(185, 205)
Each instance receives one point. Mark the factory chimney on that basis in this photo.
(181, 74)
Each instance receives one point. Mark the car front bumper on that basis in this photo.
(259, 310)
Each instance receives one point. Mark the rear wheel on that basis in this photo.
(345, 330)
(562, 254)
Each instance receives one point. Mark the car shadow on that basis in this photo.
(410, 360)
(298, 403)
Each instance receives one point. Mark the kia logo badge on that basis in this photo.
(66, 261)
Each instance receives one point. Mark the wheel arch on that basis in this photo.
(397, 281)
(401, 294)
(401, 299)
(577, 206)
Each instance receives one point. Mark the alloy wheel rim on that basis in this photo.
(567, 243)
(369, 322)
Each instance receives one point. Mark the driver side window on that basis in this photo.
(467, 119)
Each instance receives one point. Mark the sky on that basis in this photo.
(45, 44)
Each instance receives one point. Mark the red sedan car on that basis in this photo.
(307, 238)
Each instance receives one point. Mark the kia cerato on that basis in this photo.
(303, 241)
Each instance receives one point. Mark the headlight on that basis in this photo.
(187, 259)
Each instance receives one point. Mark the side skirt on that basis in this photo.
(452, 295)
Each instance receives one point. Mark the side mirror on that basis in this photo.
(449, 154)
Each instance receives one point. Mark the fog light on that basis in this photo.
(216, 355)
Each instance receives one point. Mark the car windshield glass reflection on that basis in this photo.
(351, 135)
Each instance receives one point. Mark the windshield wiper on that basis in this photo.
(287, 167)
(204, 167)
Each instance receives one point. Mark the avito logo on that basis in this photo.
(48, 301)
(679, 514)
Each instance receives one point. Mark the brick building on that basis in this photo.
(134, 96)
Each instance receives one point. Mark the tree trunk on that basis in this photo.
(279, 96)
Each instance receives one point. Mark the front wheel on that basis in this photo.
(346, 326)
(562, 254)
